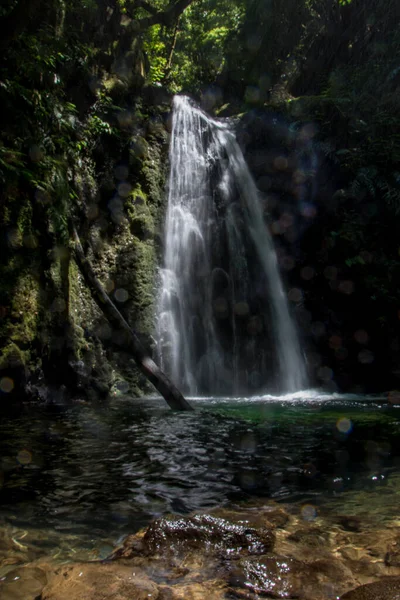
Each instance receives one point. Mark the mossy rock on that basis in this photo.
(13, 372)
(138, 149)
(140, 218)
(25, 308)
(11, 357)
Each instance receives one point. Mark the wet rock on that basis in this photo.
(208, 534)
(350, 523)
(270, 516)
(388, 588)
(211, 590)
(277, 517)
(313, 537)
(24, 583)
(392, 556)
(96, 581)
(275, 576)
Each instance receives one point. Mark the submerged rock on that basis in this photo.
(22, 583)
(276, 576)
(388, 588)
(95, 581)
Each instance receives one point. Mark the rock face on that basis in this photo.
(52, 333)
(387, 588)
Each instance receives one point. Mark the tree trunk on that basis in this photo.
(161, 382)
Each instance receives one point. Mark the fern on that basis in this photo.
(365, 181)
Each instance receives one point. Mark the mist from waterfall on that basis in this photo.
(223, 324)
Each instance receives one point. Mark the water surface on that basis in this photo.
(101, 472)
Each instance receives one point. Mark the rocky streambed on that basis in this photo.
(291, 551)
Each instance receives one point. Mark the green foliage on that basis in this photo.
(156, 49)
(193, 53)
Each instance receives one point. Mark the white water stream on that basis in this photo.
(224, 325)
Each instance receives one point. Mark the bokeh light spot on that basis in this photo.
(299, 177)
(344, 425)
(307, 273)
(280, 163)
(287, 263)
(109, 286)
(361, 336)
(220, 306)
(330, 273)
(295, 295)
(6, 384)
(276, 228)
(308, 512)
(308, 210)
(341, 353)
(318, 329)
(121, 295)
(286, 220)
(346, 287)
(124, 189)
(394, 397)
(366, 357)
(24, 457)
(335, 342)
(241, 308)
(308, 131)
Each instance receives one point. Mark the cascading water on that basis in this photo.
(224, 325)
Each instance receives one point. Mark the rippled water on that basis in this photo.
(105, 471)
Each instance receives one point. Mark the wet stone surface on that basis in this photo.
(84, 581)
(247, 552)
(277, 576)
(206, 533)
(386, 589)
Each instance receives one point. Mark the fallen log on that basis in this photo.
(161, 382)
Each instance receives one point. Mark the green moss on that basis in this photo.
(11, 357)
(83, 313)
(139, 215)
(139, 149)
(25, 310)
(154, 175)
(143, 283)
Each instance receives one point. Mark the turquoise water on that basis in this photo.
(106, 471)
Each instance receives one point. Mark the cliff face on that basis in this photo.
(334, 247)
(54, 341)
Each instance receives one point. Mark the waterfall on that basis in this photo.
(223, 324)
